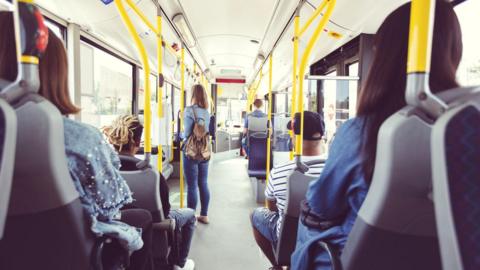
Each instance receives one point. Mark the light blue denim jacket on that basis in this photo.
(203, 117)
(94, 168)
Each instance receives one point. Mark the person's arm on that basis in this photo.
(270, 194)
(187, 124)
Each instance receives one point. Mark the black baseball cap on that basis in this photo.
(312, 124)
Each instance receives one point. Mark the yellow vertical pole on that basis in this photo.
(303, 66)
(160, 88)
(420, 38)
(146, 73)
(294, 76)
(182, 105)
(269, 130)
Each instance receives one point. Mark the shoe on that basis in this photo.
(189, 265)
(203, 219)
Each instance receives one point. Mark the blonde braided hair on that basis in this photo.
(121, 132)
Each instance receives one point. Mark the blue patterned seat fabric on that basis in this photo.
(462, 140)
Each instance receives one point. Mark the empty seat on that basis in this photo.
(456, 182)
(8, 137)
(297, 186)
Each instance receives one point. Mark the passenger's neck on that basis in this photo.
(309, 150)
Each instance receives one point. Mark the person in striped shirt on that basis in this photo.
(266, 221)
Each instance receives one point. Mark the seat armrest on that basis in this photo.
(167, 225)
(333, 254)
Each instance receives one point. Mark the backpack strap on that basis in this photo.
(194, 114)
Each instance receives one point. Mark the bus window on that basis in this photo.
(312, 97)
(153, 100)
(469, 71)
(352, 70)
(58, 30)
(280, 103)
(176, 106)
(329, 109)
(106, 86)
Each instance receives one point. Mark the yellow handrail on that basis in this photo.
(146, 72)
(420, 39)
(303, 66)
(160, 89)
(143, 17)
(182, 105)
(269, 130)
(253, 92)
(312, 18)
(294, 77)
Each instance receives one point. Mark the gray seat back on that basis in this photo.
(145, 185)
(395, 227)
(8, 138)
(456, 182)
(297, 185)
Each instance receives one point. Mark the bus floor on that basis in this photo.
(227, 242)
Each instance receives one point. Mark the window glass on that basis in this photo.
(176, 106)
(311, 99)
(353, 89)
(280, 103)
(469, 71)
(330, 105)
(55, 28)
(153, 103)
(106, 83)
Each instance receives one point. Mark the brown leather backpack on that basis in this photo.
(198, 145)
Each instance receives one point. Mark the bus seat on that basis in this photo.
(257, 159)
(46, 225)
(8, 138)
(456, 183)
(297, 186)
(145, 186)
(395, 227)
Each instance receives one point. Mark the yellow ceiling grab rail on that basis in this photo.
(315, 14)
(146, 72)
(330, 4)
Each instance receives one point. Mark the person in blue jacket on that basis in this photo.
(333, 201)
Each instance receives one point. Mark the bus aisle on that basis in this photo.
(228, 240)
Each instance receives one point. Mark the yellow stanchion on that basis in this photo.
(182, 105)
(303, 66)
(420, 38)
(142, 17)
(294, 77)
(146, 72)
(160, 88)
(315, 14)
(269, 130)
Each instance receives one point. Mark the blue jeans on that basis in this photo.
(265, 221)
(196, 173)
(185, 224)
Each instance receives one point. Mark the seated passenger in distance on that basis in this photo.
(125, 134)
(257, 104)
(266, 221)
(334, 200)
(93, 165)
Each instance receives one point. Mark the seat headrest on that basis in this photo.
(33, 42)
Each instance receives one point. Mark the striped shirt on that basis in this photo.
(277, 183)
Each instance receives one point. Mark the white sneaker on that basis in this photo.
(189, 265)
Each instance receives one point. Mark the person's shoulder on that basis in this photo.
(80, 136)
(76, 127)
(354, 125)
(283, 168)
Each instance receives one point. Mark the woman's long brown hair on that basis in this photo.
(384, 91)
(54, 76)
(199, 96)
(8, 56)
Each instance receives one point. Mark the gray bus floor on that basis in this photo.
(227, 242)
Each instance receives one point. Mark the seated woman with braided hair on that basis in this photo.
(125, 135)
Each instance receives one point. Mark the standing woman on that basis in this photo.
(196, 171)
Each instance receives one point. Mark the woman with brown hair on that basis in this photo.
(338, 194)
(196, 171)
(93, 165)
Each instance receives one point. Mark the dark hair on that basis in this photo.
(54, 76)
(125, 133)
(199, 96)
(384, 90)
(258, 103)
(8, 56)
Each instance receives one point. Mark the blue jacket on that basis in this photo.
(338, 193)
(203, 117)
(94, 168)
